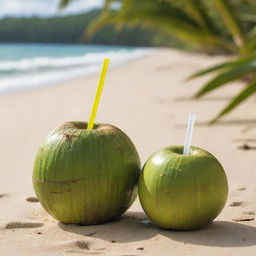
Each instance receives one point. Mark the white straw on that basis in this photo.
(189, 133)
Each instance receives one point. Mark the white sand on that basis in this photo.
(148, 99)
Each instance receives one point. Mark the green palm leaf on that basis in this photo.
(247, 10)
(251, 44)
(161, 16)
(195, 9)
(209, 70)
(223, 66)
(101, 21)
(232, 21)
(242, 96)
(64, 3)
(227, 76)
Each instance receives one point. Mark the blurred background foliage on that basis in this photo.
(211, 26)
(70, 29)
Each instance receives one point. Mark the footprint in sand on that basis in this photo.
(82, 244)
(128, 254)
(32, 199)
(3, 195)
(237, 203)
(85, 245)
(243, 218)
(250, 212)
(18, 224)
(87, 253)
(241, 189)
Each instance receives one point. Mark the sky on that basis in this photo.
(44, 7)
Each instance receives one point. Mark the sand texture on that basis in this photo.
(149, 100)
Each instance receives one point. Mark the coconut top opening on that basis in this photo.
(179, 150)
(81, 125)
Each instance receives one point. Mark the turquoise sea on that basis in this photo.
(27, 66)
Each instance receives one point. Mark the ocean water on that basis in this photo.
(28, 66)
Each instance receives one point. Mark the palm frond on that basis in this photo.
(251, 44)
(227, 76)
(161, 16)
(247, 11)
(222, 67)
(64, 3)
(96, 25)
(193, 8)
(232, 22)
(209, 70)
(247, 92)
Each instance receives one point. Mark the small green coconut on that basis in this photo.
(86, 176)
(182, 192)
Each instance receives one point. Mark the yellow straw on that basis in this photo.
(98, 94)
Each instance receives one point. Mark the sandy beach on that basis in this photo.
(148, 99)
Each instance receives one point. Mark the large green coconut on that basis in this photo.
(86, 176)
(182, 192)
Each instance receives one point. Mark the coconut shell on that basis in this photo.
(182, 192)
(86, 176)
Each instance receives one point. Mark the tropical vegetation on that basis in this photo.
(70, 29)
(212, 26)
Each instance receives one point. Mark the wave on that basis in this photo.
(35, 72)
(28, 64)
(35, 80)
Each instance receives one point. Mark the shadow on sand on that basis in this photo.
(134, 226)
(206, 98)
